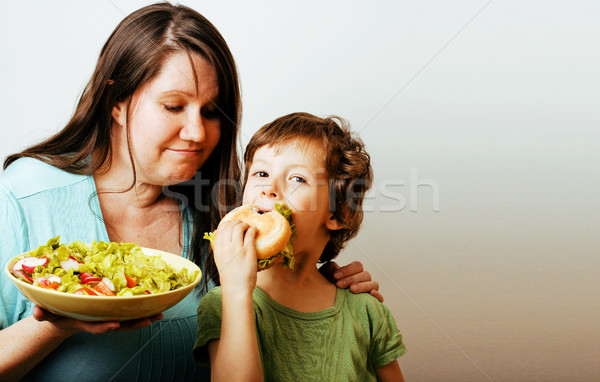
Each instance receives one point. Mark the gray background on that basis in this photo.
(482, 121)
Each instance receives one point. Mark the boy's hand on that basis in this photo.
(353, 276)
(235, 256)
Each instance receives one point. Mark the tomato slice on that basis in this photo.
(85, 290)
(53, 284)
(103, 290)
(131, 281)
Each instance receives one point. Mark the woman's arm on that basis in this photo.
(235, 356)
(27, 342)
(353, 276)
(390, 372)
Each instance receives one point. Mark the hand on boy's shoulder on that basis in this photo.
(351, 276)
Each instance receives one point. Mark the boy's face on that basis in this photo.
(294, 173)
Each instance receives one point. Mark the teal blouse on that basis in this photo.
(39, 202)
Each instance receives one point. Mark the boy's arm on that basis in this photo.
(235, 357)
(390, 372)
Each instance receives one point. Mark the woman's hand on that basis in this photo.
(71, 325)
(351, 275)
(235, 256)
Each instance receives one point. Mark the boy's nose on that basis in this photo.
(270, 190)
(270, 193)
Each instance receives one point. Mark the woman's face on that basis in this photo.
(174, 125)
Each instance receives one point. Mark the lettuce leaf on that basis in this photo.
(288, 250)
(210, 236)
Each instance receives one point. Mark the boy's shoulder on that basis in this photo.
(372, 316)
(364, 299)
(359, 305)
(364, 304)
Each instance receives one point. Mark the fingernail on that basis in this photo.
(337, 275)
(342, 283)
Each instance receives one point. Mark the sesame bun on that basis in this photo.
(273, 229)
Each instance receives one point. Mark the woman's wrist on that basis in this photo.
(57, 331)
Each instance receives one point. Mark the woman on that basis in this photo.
(162, 109)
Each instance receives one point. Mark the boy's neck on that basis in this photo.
(304, 289)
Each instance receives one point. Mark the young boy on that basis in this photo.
(285, 325)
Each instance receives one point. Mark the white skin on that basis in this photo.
(173, 130)
(292, 173)
(174, 127)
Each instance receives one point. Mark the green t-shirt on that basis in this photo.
(346, 342)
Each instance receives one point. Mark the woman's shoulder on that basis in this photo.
(28, 176)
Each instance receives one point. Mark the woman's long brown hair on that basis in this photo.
(132, 56)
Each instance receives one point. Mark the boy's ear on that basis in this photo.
(333, 224)
(119, 113)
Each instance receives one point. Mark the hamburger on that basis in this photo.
(275, 233)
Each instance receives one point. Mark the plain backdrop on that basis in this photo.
(483, 124)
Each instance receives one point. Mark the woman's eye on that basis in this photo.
(261, 174)
(211, 113)
(174, 108)
(298, 179)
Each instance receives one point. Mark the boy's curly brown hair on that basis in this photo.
(347, 163)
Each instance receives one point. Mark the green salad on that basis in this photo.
(99, 269)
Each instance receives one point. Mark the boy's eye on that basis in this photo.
(261, 174)
(173, 108)
(298, 179)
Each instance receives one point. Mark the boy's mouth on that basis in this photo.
(258, 210)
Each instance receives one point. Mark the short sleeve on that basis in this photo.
(387, 343)
(13, 241)
(209, 324)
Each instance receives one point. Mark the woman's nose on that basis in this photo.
(193, 129)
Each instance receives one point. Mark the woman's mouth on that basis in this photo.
(186, 152)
